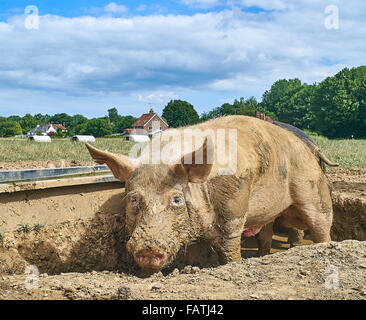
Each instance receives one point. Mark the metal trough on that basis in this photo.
(52, 196)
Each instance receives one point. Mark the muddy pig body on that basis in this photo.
(194, 194)
(295, 236)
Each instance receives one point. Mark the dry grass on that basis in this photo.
(13, 150)
(349, 153)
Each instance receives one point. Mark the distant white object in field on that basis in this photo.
(83, 139)
(137, 138)
(40, 139)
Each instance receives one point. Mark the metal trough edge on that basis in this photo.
(46, 184)
(42, 173)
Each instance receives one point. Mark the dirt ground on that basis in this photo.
(24, 165)
(300, 273)
(347, 175)
(86, 259)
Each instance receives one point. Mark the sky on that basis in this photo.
(85, 57)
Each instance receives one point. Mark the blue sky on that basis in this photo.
(69, 8)
(88, 56)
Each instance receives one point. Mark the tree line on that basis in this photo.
(335, 108)
(77, 124)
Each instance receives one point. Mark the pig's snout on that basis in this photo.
(150, 258)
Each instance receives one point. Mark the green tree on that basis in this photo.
(180, 113)
(97, 127)
(62, 118)
(77, 120)
(28, 123)
(339, 104)
(239, 107)
(80, 128)
(7, 128)
(113, 115)
(18, 129)
(124, 123)
(15, 118)
(245, 107)
(290, 101)
(42, 119)
(60, 134)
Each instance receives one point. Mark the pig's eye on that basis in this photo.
(134, 201)
(177, 201)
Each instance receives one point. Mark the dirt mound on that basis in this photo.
(349, 207)
(82, 246)
(322, 271)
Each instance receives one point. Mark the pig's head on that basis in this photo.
(159, 221)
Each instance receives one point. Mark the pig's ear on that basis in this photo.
(197, 170)
(122, 167)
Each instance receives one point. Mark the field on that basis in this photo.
(17, 154)
(348, 153)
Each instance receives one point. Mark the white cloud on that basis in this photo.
(115, 8)
(152, 58)
(157, 97)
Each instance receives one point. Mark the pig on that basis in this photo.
(170, 205)
(295, 236)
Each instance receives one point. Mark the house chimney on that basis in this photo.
(151, 110)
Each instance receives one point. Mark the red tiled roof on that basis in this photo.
(59, 126)
(140, 122)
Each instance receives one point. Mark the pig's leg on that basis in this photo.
(314, 204)
(295, 236)
(264, 238)
(229, 250)
(319, 223)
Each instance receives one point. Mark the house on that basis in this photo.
(150, 124)
(47, 129)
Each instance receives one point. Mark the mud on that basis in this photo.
(84, 257)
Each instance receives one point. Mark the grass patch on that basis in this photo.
(348, 153)
(13, 150)
(24, 228)
(37, 227)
